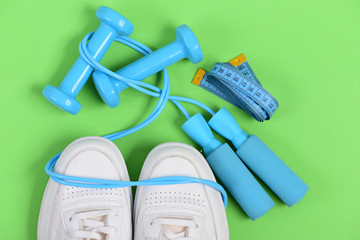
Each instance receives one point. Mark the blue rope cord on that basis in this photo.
(164, 96)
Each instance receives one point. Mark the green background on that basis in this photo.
(306, 53)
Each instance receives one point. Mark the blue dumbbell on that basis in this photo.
(185, 46)
(260, 159)
(112, 25)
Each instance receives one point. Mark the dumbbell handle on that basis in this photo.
(186, 45)
(97, 47)
(112, 24)
(151, 64)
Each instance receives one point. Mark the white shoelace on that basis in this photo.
(165, 224)
(92, 225)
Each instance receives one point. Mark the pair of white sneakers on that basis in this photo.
(164, 212)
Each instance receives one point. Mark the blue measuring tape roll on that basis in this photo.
(236, 83)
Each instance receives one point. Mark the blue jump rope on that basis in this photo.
(163, 96)
(223, 160)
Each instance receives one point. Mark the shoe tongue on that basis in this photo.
(99, 219)
(176, 229)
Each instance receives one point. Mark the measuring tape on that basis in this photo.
(236, 83)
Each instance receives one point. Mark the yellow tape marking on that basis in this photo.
(199, 75)
(238, 60)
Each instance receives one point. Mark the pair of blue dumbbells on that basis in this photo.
(114, 25)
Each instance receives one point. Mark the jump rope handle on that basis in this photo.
(260, 159)
(229, 169)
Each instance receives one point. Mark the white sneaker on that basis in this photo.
(184, 211)
(87, 213)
